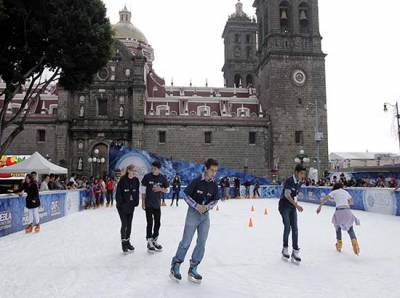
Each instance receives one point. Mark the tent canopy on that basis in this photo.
(35, 163)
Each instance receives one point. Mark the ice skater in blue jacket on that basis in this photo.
(201, 196)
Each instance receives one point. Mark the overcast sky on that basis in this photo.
(360, 37)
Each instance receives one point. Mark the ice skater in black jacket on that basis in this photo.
(32, 202)
(127, 197)
(154, 186)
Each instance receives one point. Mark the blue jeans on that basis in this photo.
(289, 218)
(194, 222)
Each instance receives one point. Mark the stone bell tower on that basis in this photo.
(291, 81)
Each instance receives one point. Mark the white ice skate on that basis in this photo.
(150, 246)
(157, 245)
(296, 257)
(285, 254)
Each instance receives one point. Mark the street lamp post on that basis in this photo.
(396, 107)
(95, 161)
(301, 158)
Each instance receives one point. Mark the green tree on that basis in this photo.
(45, 41)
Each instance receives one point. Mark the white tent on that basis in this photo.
(35, 163)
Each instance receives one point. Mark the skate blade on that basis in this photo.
(127, 253)
(295, 262)
(285, 259)
(152, 252)
(193, 280)
(173, 278)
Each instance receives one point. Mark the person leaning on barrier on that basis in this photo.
(29, 186)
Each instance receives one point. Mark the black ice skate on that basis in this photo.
(193, 276)
(175, 272)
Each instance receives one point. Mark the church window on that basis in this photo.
(162, 137)
(284, 16)
(237, 38)
(304, 18)
(203, 111)
(249, 52)
(252, 138)
(249, 81)
(243, 112)
(41, 136)
(248, 38)
(238, 80)
(299, 138)
(102, 106)
(207, 137)
(162, 110)
(237, 52)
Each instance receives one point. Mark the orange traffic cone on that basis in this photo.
(252, 209)
(266, 211)
(251, 225)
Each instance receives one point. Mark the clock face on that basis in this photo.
(299, 77)
(103, 74)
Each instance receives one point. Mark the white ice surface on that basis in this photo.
(80, 256)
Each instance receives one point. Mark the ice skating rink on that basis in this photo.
(80, 256)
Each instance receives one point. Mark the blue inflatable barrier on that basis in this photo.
(377, 200)
(54, 205)
(57, 204)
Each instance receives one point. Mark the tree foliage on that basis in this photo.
(48, 40)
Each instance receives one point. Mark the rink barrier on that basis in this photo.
(377, 200)
(57, 204)
(370, 199)
(54, 205)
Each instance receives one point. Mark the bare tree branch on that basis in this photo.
(9, 95)
(34, 69)
(6, 144)
(27, 97)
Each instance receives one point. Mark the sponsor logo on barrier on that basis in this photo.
(55, 208)
(42, 212)
(380, 201)
(5, 220)
(25, 217)
(312, 196)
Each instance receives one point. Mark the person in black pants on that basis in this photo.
(127, 197)
(32, 202)
(237, 187)
(288, 207)
(176, 189)
(256, 190)
(156, 185)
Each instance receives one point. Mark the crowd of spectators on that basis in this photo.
(379, 182)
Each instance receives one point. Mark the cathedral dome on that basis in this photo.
(124, 29)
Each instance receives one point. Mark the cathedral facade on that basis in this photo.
(272, 106)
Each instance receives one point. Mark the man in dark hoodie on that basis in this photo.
(201, 196)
